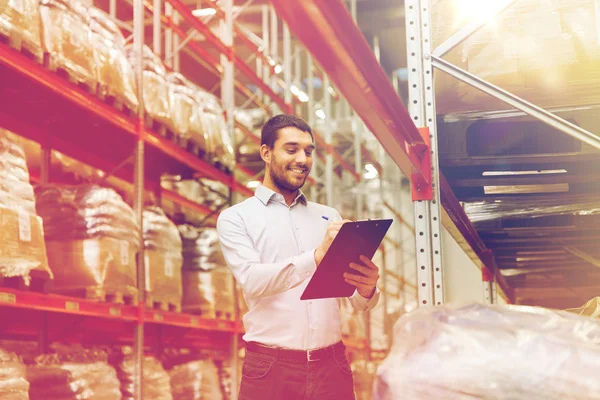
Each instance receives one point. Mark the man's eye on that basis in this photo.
(308, 153)
(290, 151)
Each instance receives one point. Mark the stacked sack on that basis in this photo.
(73, 375)
(219, 143)
(163, 259)
(20, 20)
(22, 247)
(155, 382)
(491, 352)
(67, 38)
(207, 281)
(92, 239)
(195, 380)
(253, 120)
(13, 377)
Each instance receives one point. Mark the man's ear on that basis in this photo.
(265, 153)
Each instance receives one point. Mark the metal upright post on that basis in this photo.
(422, 110)
(311, 121)
(228, 102)
(176, 41)
(266, 48)
(274, 43)
(298, 73)
(358, 167)
(112, 8)
(487, 281)
(287, 64)
(138, 45)
(168, 37)
(156, 28)
(328, 138)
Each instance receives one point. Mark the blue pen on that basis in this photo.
(325, 218)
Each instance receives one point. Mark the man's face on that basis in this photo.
(290, 159)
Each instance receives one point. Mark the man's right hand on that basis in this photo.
(332, 230)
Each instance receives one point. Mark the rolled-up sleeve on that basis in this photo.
(259, 279)
(360, 303)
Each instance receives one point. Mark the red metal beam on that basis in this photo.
(247, 132)
(329, 33)
(187, 15)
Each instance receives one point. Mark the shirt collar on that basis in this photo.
(264, 194)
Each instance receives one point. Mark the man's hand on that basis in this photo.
(364, 284)
(332, 230)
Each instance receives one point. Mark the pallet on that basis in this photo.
(223, 168)
(116, 102)
(162, 304)
(92, 294)
(225, 315)
(161, 128)
(39, 281)
(191, 146)
(51, 64)
(202, 312)
(15, 40)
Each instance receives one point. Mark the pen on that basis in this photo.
(325, 218)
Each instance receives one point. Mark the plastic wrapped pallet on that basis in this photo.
(13, 377)
(219, 146)
(156, 381)
(22, 247)
(196, 380)
(92, 239)
(156, 88)
(543, 51)
(115, 75)
(253, 120)
(491, 352)
(67, 38)
(484, 211)
(186, 113)
(81, 374)
(20, 21)
(207, 281)
(163, 259)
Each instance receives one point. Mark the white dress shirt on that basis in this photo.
(270, 247)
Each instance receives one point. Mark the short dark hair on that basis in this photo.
(271, 128)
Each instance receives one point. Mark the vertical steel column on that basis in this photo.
(266, 48)
(298, 74)
(176, 41)
(112, 8)
(287, 63)
(383, 268)
(274, 44)
(487, 282)
(156, 28)
(353, 12)
(422, 110)
(138, 345)
(311, 122)
(328, 137)
(228, 102)
(168, 37)
(358, 167)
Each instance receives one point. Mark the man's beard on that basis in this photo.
(279, 178)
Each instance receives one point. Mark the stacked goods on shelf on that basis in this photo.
(67, 39)
(186, 114)
(13, 377)
(364, 375)
(253, 119)
(156, 381)
(163, 260)
(92, 238)
(207, 281)
(219, 145)
(73, 374)
(195, 380)
(22, 247)
(484, 352)
(543, 51)
(20, 21)
(115, 76)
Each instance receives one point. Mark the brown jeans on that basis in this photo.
(277, 375)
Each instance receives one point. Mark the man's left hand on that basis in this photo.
(364, 284)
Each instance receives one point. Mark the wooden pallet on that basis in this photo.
(50, 63)
(39, 281)
(116, 102)
(202, 312)
(162, 304)
(191, 146)
(223, 168)
(92, 294)
(161, 128)
(15, 40)
(225, 315)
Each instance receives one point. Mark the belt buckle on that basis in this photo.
(308, 355)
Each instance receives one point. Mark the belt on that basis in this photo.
(324, 353)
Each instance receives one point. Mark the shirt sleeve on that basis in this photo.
(360, 303)
(259, 279)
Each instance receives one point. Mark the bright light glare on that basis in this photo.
(371, 172)
(471, 10)
(278, 69)
(320, 114)
(252, 184)
(203, 12)
(303, 97)
(294, 89)
(539, 172)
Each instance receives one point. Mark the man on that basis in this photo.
(273, 242)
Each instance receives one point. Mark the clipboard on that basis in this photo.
(353, 239)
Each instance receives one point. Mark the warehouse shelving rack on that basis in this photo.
(74, 122)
